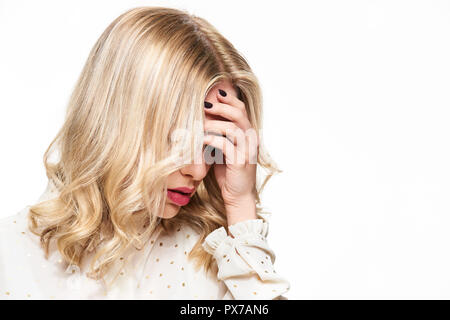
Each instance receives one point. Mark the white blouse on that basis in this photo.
(160, 270)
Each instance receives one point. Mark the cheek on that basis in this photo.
(172, 177)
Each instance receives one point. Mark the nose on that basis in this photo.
(196, 171)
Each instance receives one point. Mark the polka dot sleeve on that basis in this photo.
(245, 261)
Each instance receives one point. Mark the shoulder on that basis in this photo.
(15, 235)
(20, 219)
(16, 225)
(11, 224)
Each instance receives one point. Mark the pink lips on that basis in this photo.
(180, 196)
(183, 189)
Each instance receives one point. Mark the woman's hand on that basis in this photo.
(238, 142)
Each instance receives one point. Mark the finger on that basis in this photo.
(225, 128)
(228, 149)
(228, 112)
(252, 148)
(228, 98)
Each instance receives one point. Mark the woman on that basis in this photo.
(133, 209)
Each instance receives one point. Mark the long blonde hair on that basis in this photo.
(147, 75)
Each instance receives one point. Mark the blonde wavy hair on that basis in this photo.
(147, 75)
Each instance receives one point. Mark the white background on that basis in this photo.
(356, 97)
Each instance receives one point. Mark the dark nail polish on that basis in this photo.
(222, 93)
(208, 104)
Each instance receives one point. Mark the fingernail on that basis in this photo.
(222, 93)
(208, 104)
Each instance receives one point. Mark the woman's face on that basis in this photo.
(190, 176)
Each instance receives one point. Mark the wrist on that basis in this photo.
(241, 209)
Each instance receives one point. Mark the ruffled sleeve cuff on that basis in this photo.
(245, 261)
(256, 228)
